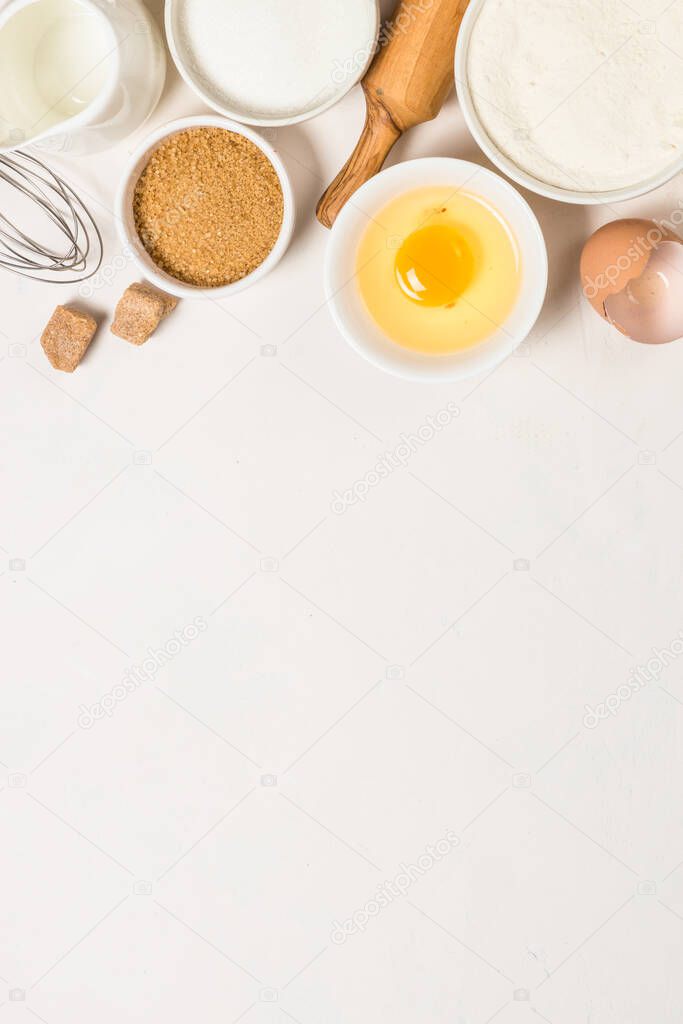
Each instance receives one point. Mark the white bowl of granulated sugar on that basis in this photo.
(270, 63)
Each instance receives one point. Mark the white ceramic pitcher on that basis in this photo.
(76, 76)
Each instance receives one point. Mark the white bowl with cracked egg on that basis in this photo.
(345, 300)
(508, 166)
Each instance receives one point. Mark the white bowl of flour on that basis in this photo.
(272, 62)
(577, 101)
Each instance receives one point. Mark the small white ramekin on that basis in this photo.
(511, 169)
(346, 302)
(125, 221)
(184, 64)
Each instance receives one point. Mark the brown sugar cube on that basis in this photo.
(66, 337)
(139, 312)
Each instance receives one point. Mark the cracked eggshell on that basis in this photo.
(632, 275)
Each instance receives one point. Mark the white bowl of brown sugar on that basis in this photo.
(205, 208)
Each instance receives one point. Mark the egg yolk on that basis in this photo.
(434, 265)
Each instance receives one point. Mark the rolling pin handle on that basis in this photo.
(376, 142)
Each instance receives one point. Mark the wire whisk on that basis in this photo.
(74, 252)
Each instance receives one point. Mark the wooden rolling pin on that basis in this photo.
(405, 85)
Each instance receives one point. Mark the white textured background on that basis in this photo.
(365, 682)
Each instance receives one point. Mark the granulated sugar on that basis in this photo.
(276, 58)
(208, 206)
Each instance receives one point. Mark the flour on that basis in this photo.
(582, 94)
(277, 58)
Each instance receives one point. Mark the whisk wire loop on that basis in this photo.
(81, 253)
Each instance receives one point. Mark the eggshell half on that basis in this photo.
(650, 308)
(615, 254)
(616, 257)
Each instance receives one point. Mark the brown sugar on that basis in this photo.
(66, 337)
(208, 206)
(139, 312)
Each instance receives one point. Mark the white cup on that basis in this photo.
(77, 77)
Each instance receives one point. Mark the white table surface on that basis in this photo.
(364, 682)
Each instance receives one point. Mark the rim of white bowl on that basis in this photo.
(124, 212)
(511, 169)
(394, 358)
(245, 117)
